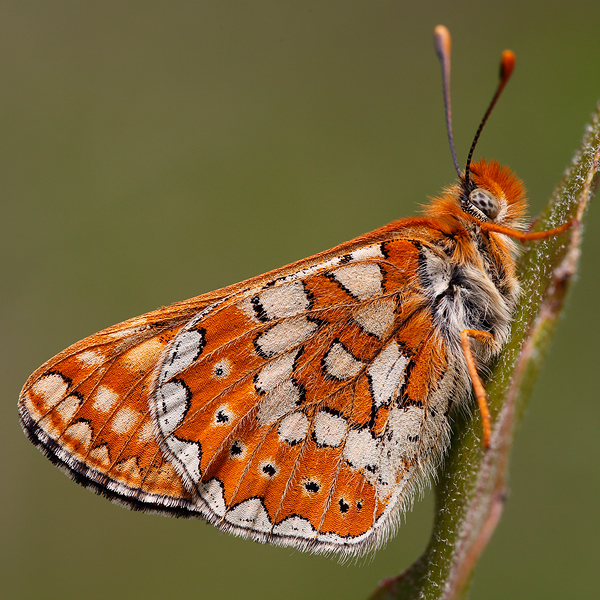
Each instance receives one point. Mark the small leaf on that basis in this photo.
(471, 490)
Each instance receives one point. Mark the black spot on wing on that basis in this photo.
(312, 487)
(269, 470)
(222, 417)
(236, 449)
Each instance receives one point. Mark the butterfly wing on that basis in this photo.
(87, 410)
(302, 408)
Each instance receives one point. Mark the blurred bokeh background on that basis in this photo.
(152, 151)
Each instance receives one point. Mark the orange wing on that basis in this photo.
(302, 407)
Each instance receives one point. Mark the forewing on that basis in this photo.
(87, 409)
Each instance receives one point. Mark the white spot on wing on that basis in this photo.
(377, 317)
(339, 363)
(294, 526)
(100, 453)
(329, 429)
(124, 420)
(386, 373)
(268, 468)
(406, 425)
(172, 403)
(212, 493)
(275, 372)
(104, 399)
(284, 300)
(250, 514)
(222, 369)
(367, 252)
(278, 402)
(122, 333)
(237, 450)
(293, 428)
(188, 455)
(146, 432)
(90, 358)
(247, 307)
(186, 348)
(128, 467)
(399, 446)
(285, 335)
(223, 415)
(80, 432)
(362, 280)
(51, 388)
(68, 407)
(360, 449)
(302, 273)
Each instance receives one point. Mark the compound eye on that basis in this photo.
(485, 202)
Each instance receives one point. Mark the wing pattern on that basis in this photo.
(303, 408)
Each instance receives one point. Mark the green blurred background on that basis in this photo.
(153, 151)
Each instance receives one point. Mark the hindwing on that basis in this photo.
(302, 407)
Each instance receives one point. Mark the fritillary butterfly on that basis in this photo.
(305, 406)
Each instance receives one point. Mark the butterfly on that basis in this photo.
(303, 407)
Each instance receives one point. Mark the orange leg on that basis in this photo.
(484, 336)
(523, 236)
(480, 393)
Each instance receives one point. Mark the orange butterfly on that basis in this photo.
(305, 406)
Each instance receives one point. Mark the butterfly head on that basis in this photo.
(493, 193)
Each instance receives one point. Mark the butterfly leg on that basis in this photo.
(484, 336)
(479, 389)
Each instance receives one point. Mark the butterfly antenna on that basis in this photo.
(443, 45)
(507, 64)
